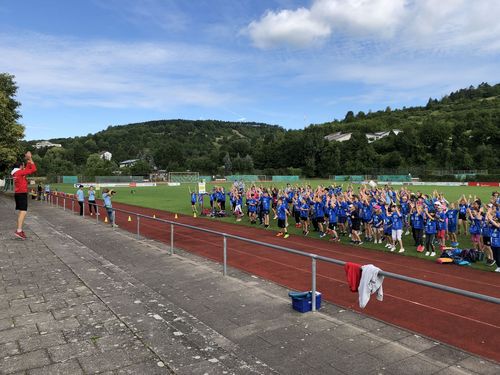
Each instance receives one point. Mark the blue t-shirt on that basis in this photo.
(332, 214)
(252, 205)
(193, 198)
(80, 195)
(485, 229)
(495, 237)
(452, 216)
(367, 212)
(282, 211)
(441, 221)
(304, 210)
(417, 220)
(319, 209)
(107, 200)
(266, 203)
(397, 222)
(475, 226)
(463, 208)
(377, 220)
(430, 226)
(91, 195)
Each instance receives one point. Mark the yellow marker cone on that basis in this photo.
(176, 216)
(129, 219)
(194, 214)
(106, 219)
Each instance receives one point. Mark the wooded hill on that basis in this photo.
(460, 131)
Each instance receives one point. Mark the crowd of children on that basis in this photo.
(382, 215)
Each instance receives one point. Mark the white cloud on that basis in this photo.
(421, 24)
(52, 71)
(297, 28)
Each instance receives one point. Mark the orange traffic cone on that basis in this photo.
(105, 219)
(129, 219)
(176, 216)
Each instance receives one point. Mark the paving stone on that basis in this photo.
(74, 349)
(24, 361)
(391, 352)
(480, 365)
(8, 349)
(6, 323)
(39, 317)
(66, 368)
(59, 325)
(150, 368)
(414, 366)
(445, 354)
(14, 334)
(110, 360)
(417, 343)
(41, 341)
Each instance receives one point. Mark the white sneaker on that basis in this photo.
(433, 254)
(393, 248)
(427, 253)
(407, 233)
(498, 269)
(401, 250)
(387, 245)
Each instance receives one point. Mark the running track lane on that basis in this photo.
(463, 322)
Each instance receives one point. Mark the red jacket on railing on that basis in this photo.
(19, 175)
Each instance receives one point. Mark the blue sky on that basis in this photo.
(84, 65)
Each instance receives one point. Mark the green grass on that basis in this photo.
(177, 199)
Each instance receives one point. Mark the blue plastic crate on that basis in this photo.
(302, 302)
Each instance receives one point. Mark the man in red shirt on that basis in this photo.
(19, 174)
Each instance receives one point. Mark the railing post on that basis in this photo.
(171, 239)
(73, 206)
(138, 225)
(57, 200)
(313, 282)
(96, 213)
(64, 204)
(224, 268)
(83, 209)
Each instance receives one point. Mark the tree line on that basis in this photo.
(460, 131)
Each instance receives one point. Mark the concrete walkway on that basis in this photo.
(78, 297)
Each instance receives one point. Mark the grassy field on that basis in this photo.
(177, 199)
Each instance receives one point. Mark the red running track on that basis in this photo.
(463, 322)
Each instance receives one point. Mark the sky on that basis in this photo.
(83, 65)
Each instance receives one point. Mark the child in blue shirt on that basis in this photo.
(430, 232)
(92, 204)
(282, 213)
(452, 217)
(106, 196)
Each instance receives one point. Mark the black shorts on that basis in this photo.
(332, 226)
(21, 201)
(486, 241)
(462, 216)
(281, 223)
(265, 212)
(342, 219)
(356, 226)
(320, 220)
(304, 218)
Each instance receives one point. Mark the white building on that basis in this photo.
(338, 137)
(105, 155)
(128, 163)
(44, 144)
(372, 137)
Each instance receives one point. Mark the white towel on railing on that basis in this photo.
(370, 283)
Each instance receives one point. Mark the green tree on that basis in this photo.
(11, 132)
(95, 166)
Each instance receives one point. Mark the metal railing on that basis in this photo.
(54, 200)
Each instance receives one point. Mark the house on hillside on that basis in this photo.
(338, 137)
(372, 137)
(128, 163)
(105, 155)
(44, 144)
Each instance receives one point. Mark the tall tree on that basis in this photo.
(11, 132)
